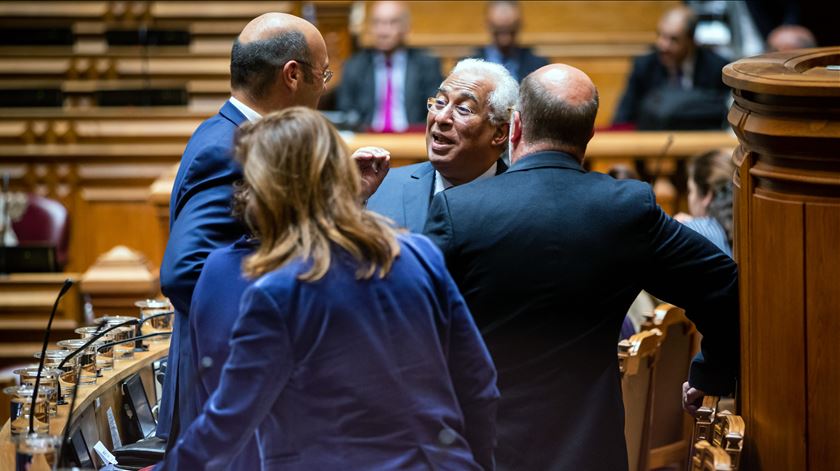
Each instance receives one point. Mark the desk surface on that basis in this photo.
(87, 395)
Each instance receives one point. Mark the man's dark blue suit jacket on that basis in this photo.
(200, 221)
(549, 258)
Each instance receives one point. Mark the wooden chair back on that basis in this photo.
(637, 357)
(670, 432)
(708, 457)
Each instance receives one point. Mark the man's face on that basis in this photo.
(389, 26)
(459, 138)
(503, 25)
(672, 41)
(309, 92)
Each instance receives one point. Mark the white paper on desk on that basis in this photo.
(105, 455)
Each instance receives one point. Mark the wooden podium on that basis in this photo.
(787, 118)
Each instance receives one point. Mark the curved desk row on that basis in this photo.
(94, 402)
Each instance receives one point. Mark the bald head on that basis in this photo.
(558, 104)
(675, 36)
(260, 54)
(389, 24)
(566, 83)
(503, 22)
(790, 37)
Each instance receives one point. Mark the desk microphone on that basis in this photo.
(77, 375)
(93, 338)
(142, 337)
(64, 288)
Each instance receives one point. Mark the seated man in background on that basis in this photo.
(504, 20)
(679, 85)
(466, 133)
(387, 86)
(549, 257)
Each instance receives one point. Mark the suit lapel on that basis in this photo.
(417, 195)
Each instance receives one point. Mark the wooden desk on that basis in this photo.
(93, 401)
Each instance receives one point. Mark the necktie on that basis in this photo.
(387, 121)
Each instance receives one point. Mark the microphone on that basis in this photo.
(142, 337)
(91, 340)
(64, 288)
(77, 377)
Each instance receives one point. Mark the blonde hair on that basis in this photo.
(304, 198)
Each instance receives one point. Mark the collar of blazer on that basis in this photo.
(547, 159)
(232, 114)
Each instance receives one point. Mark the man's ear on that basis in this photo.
(291, 75)
(515, 129)
(500, 136)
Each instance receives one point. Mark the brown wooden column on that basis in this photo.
(787, 118)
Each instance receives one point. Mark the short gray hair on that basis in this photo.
(506, 91)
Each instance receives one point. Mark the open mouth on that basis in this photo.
(439, 140)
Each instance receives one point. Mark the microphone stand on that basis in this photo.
(138, 346)
(78, 373)
(120, 342)
(64, 288)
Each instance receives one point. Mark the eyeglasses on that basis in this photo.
(326, 75)
(436, 104)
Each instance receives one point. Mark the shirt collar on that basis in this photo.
(245, 109)
(441, 183)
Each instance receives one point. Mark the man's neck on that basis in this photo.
(262, 106)
(524, 150)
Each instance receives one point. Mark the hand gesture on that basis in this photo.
(374, 163)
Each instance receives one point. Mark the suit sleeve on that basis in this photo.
(202, 223)
(629, 105)
(474, 378)
(689, 271)
(254, 376)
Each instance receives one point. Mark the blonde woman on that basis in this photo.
(353, 348)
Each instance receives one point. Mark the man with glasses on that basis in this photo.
(549, 257)
(277, 61)
(466, 134)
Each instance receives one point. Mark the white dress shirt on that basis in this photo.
(442, 183)
(399, 61)
(245, 109)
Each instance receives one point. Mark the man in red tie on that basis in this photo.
(386, 86)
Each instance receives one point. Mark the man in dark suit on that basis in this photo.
(466, 132)
(503, 23)
(677, 66)
(387, 86)
(277, 61)
(549, 258)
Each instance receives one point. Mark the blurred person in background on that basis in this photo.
(710, 197)
(387, 86)
(790, 37)
(678, 85)
(504, 21)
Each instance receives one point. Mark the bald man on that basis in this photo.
(676, 67)
(504, 20)
(790, 37)
(277, 61)
(386, 86)
(549, 258)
